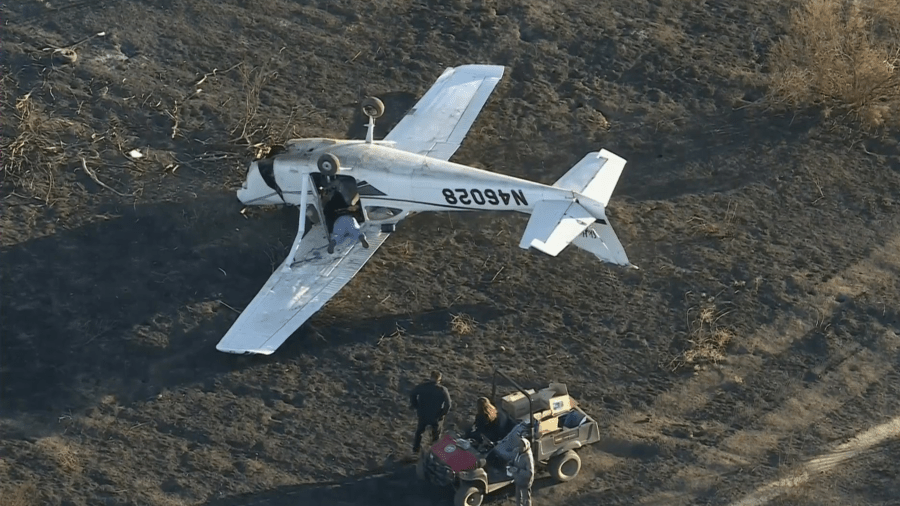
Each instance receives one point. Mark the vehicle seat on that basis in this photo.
(508, 447)
(573, 419)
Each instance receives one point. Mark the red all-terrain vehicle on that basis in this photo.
(550, 419)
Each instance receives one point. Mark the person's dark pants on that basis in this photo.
(437, 426)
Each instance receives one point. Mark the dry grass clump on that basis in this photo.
(24, 494)
(33, 157)
(842, 55)
(707, 339)
(462, 324)
(62, 452)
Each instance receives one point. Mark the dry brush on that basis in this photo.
(842, 56)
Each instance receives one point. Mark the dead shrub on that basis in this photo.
(843, 56)
(716, 229)
(263, 138)
(707, 340)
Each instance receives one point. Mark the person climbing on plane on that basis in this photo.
(340, 215)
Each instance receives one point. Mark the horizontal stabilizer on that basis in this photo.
(595, 176)
(553, 225)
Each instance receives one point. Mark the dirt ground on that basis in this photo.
(753, 359)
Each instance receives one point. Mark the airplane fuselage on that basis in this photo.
(391, 179)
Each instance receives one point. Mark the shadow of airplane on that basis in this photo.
(76, 305)
(73, 301)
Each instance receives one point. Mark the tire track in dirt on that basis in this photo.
(825, 463)
(842, 378)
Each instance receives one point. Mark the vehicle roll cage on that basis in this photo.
(497, 371)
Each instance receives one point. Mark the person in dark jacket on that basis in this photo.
(431, 400)
(491, 422)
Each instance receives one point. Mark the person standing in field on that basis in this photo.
(431, 400)
(522, 473)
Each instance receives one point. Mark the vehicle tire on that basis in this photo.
(329, 164)
(468, 495)
(565, 466)
(372, 107)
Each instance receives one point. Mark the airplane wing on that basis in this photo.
(293, 294)
(307, 279)
(436, 125)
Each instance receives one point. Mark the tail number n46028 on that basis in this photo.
(479, 197)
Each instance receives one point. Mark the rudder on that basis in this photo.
(600, 239)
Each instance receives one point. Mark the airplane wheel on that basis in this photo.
(373, 107)
(329, 164)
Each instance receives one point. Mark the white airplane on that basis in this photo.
(407, 172)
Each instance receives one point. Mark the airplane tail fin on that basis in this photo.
(555, 224)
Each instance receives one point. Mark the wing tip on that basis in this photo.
(545, 247)
(243, 351)
(484, 69)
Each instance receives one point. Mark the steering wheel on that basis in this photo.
(486, 444)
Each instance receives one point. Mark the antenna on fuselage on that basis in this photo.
(373, 108)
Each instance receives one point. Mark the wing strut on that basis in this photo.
(301, 228)
(370, 133)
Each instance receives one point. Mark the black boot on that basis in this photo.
(331, 245)
(363, 240)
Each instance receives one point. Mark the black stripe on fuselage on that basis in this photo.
(267, 171)
(448, 206)
(600, 221)
(364, 188)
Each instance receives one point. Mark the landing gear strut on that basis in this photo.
(373, 108)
